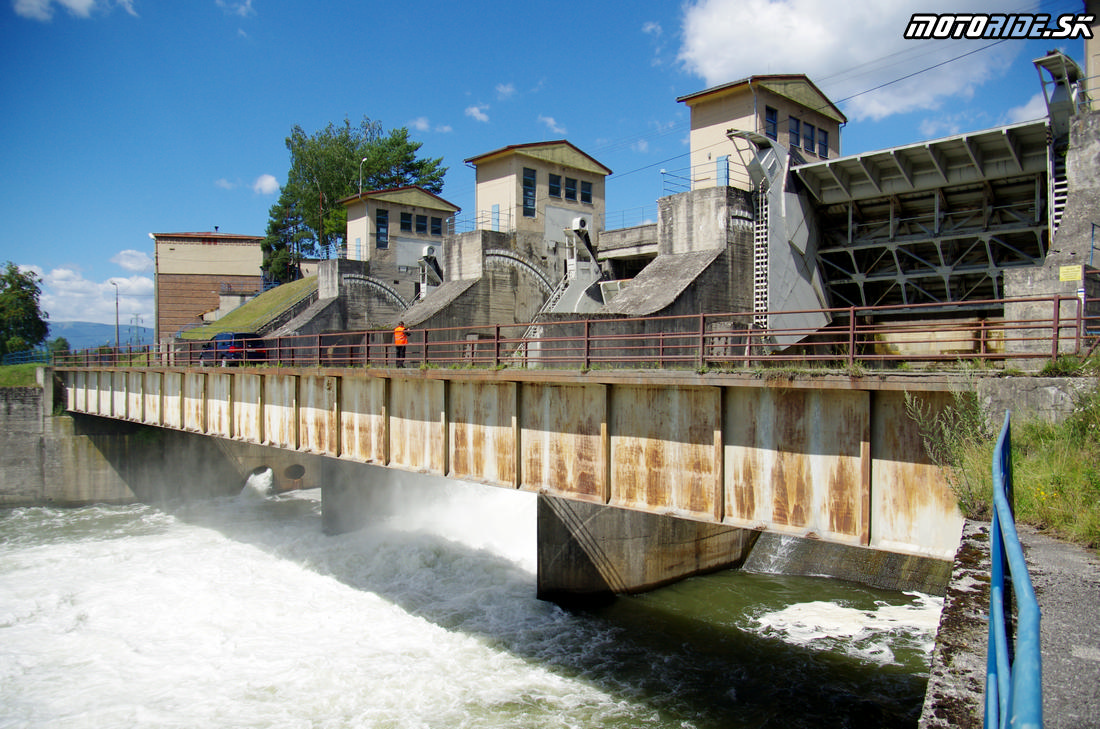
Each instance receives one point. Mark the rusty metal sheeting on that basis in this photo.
(173, 400)
(363, 419)
(76, 390)
(481, 418)
(152, 409)
(103, 394)
(795, 461)
(194, 401)
(843, 463)
(118, 394)
(135, 395)
(912, 506)
(666, 450)
(281, 411)
(317, 415)
(563, 434)
(219, 404)
(418, 425)
(248, 407)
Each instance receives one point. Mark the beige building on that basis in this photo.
(788, 109)
(541, 187)
(393, 229)
(193, 272)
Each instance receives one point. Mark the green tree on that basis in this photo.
(22, 323)
(58, 345)
(324, 169)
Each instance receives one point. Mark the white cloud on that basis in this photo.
(68, 296)
(265, 185)
(444, 129)
(420, 124)
(854, 52)
(131, 260)
(1035, 108)
(478, 112)
(640, 146)
(551, 124)
(242, 9)
(505, 91)
(652, 28)
(224, 184)
(44, 9)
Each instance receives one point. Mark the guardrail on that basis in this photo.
(1013, 686)
(26, 357)
(869, 337)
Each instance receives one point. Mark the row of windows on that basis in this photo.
(409, 223)
(800, 134)
(421, 224)
(568, 190)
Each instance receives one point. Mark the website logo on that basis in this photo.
(997, 26)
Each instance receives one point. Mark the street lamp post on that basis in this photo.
(361, 175)
(115, 284)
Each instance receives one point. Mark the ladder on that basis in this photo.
(760, 260)
(1058, 190)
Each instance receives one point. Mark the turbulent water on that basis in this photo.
(239, 612)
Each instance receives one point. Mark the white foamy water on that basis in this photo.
(239, 612)
(860, 632)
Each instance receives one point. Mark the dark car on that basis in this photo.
(233, 348)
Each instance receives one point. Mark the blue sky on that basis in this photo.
(126, 117)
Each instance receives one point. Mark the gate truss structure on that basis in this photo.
(934, 222)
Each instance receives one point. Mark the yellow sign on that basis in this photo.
(1071, 273)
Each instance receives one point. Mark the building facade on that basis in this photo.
(193, 272)
(394, 229)
(788, 109)
(540, 188)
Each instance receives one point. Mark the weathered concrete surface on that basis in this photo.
(814, 558)
(719, 448)
(590, 553)
(1046, 399)
(956, 682)
(78, 459)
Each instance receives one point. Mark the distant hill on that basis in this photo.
(85, 334)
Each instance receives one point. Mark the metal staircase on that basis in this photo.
(535, 330)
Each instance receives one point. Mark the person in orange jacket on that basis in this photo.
(400, 341)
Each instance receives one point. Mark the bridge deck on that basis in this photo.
(830, 457)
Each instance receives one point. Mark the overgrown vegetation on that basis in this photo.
(1055, 467)
(21, 375)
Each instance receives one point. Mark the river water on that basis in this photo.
(239, 612)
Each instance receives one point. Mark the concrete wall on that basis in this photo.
(1046, 399)
(83, 458)
(589, 552)
(1070, 267)
(721, 449)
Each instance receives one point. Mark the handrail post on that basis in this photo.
(496, 346)
(1080, 326)
(587, 346)
(851, 336)
(424, 359)
(702, 341)
(1057, 324)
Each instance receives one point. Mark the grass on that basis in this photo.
(1055, 467)
(21, 375)
(257, 312)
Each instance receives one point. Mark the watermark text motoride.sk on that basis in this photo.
(998, 26)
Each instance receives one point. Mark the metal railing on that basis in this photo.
(1013, 685)
(871, 337)
(26, 357)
